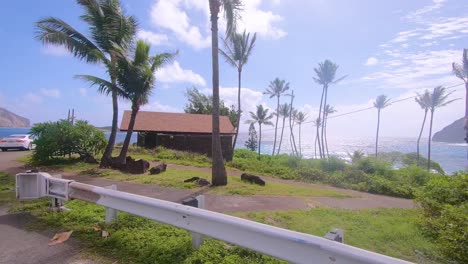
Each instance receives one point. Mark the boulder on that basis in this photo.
(203, 182)
(136, 166)
(254, 179)
(158, 169)
(192, 179)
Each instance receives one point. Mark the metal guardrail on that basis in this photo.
(277, 242)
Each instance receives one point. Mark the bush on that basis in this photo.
(62, 138)
(371, 165)
(445, 209)
(411, 159)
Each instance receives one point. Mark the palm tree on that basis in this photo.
(292, 141)
(317, 124)
(283, 112)
(301, 117)
(380, 103)
(276, 88)
(260, 117)
(424, 101)
(238, 49)
(438, 99)
(326, 73)
(328, 110)
(230, 10)
(109, 28)
(291, 123)
(461, 71)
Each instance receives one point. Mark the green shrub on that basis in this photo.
(444, 200)
(332, 164)
(311, 174)
(61, 138)
(371, 165)
(411, 159)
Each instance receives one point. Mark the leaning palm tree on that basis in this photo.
(317, 124)
(276, 88)
(327, 110)
(461, 71)
(230, 9)
(261, 117)
(438, 99)
(424, 101)
(291, 124)
(326, 75)
(237, 51)
(109, 28)
(292, 141)
(380, 103)
(301, 117)
(283, 113)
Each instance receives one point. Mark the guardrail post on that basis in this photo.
(111, 214)
(336, 234)
(199, 202)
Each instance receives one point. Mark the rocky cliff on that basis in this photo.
(453, 133)
(9, 119)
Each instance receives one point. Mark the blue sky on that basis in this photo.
(396, 48)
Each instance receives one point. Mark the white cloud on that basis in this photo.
(152, 38)
(158, 107)
(175, 73)
(418, 15)
(371, 61)
(83, 91)
(53, 50)
(50, 92)
(179, 17)
(32, 98)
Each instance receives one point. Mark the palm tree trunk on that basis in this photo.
(377, 135)
(106, 159)
(420, 134)
(218, 171)
(281, 138)
(300, 147)
(123, 152)
(429, 142)
(276, 126)
(316, 140)
(321, 119)
(239, 75)
(294, 149)
(259, 138)
(466, 112)
(326, 141)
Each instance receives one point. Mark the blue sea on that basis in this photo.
(452, 157)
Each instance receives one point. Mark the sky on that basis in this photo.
(396, 48)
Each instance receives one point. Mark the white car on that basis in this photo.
(17, 141)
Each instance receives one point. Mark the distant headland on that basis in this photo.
(10, 119)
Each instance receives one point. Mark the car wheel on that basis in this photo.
(30, 146)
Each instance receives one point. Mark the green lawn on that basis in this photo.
(392, 232)
(7, 188)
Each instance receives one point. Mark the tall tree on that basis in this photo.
(237, 51)
(291, 123)
(283, 113)
(261, 117)
(292, 140)
(328, 110)
(230, 9)
(199, 103)
(276, 88)
(461, 71)
(301, 117)
(424, 101)
(252, 141)
(380, 103)
(317, 124)
(326, 75)
(438, 98)
(109, 28)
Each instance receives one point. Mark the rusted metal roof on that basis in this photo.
(175, 123)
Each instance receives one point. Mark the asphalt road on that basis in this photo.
(8, 161)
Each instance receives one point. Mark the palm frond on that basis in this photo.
(104, 86)
(231, 10)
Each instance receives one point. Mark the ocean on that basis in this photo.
(452, 157)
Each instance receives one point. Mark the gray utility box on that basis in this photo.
(40, 184)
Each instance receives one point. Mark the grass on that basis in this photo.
(7, 188)
(392, 232)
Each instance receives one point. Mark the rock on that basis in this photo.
(250, 178)
(89, 159)
(453, 133)
(203, 182)
(136, 166)
(192, 179)
(9, 119)
(158, 169)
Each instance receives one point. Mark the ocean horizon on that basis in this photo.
(451, 156)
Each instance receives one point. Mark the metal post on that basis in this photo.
(111, 214)
(197, 239)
